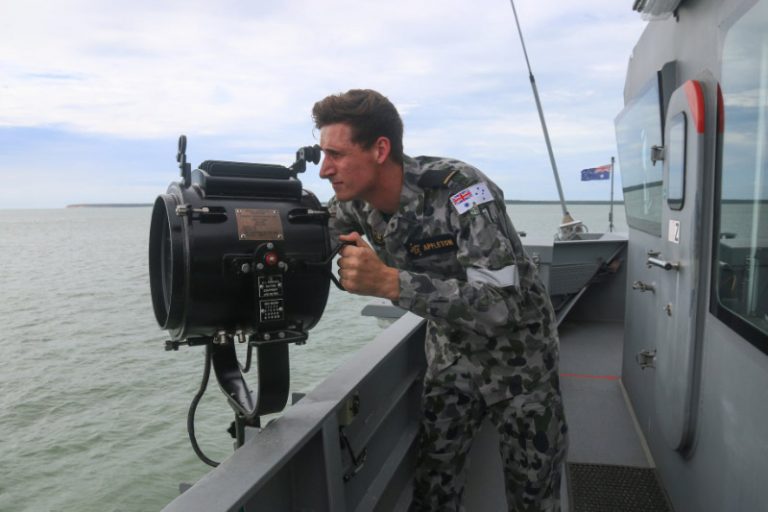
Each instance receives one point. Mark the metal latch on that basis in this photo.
(657, 154)
(183, 210)
(643, 287)
(204, 214)
(646, 358)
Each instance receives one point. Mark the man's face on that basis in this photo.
(351, 169)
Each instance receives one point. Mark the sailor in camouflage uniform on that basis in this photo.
(444, 248)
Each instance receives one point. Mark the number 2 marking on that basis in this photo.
(674, 231)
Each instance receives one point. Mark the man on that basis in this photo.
(445, 249)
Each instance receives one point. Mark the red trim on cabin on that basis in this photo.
(584, 376)
(695, 96)
(720, 110)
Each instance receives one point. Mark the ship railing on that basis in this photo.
(348, 445)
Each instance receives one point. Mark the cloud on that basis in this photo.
(249, 71)
(144, 69)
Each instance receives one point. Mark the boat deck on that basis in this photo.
(603, 436)
(602, 428)
(609, 466)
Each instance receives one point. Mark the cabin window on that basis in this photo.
(638, 128)
(741, 273)
(676, 160)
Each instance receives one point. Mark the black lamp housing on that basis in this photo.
(240, 252)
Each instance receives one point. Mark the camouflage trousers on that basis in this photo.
(532, 438)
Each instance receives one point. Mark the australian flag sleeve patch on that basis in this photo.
(470, 197)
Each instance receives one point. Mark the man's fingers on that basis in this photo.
(360, 242)
(351, 237)
(355, 238)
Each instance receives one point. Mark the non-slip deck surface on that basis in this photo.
(608, 469)
(611, 488)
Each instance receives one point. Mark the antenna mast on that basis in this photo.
(568, 226)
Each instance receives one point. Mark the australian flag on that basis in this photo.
(602, 172)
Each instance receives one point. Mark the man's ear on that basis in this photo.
(383, 148)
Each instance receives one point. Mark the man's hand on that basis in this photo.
(362, 272)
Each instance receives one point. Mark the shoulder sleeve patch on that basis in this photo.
(437, 178)
(475, 195)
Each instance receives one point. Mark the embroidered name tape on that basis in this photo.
(429, 246)
(471, 196)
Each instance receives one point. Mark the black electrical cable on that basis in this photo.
(193, 407)
(247, 367)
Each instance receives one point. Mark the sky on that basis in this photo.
(94, 93)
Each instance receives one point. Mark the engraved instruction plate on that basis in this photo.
(258, 224)
(270, 286)
(271, 310)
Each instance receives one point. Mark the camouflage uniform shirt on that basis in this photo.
(464, 269)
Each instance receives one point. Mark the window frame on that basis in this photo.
(645, 225)
(736, 322)
(677, 203)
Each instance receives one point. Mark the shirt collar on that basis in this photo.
(411, 191)
(409, 197)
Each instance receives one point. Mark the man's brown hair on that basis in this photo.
(369, 114)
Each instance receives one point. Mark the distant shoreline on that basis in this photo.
(110, 205)
(582, 201)
(508, 201)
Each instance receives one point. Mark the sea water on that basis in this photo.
(92, 409)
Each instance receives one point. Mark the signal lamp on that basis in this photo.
(240, 252)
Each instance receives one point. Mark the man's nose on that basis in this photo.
(326, 170)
